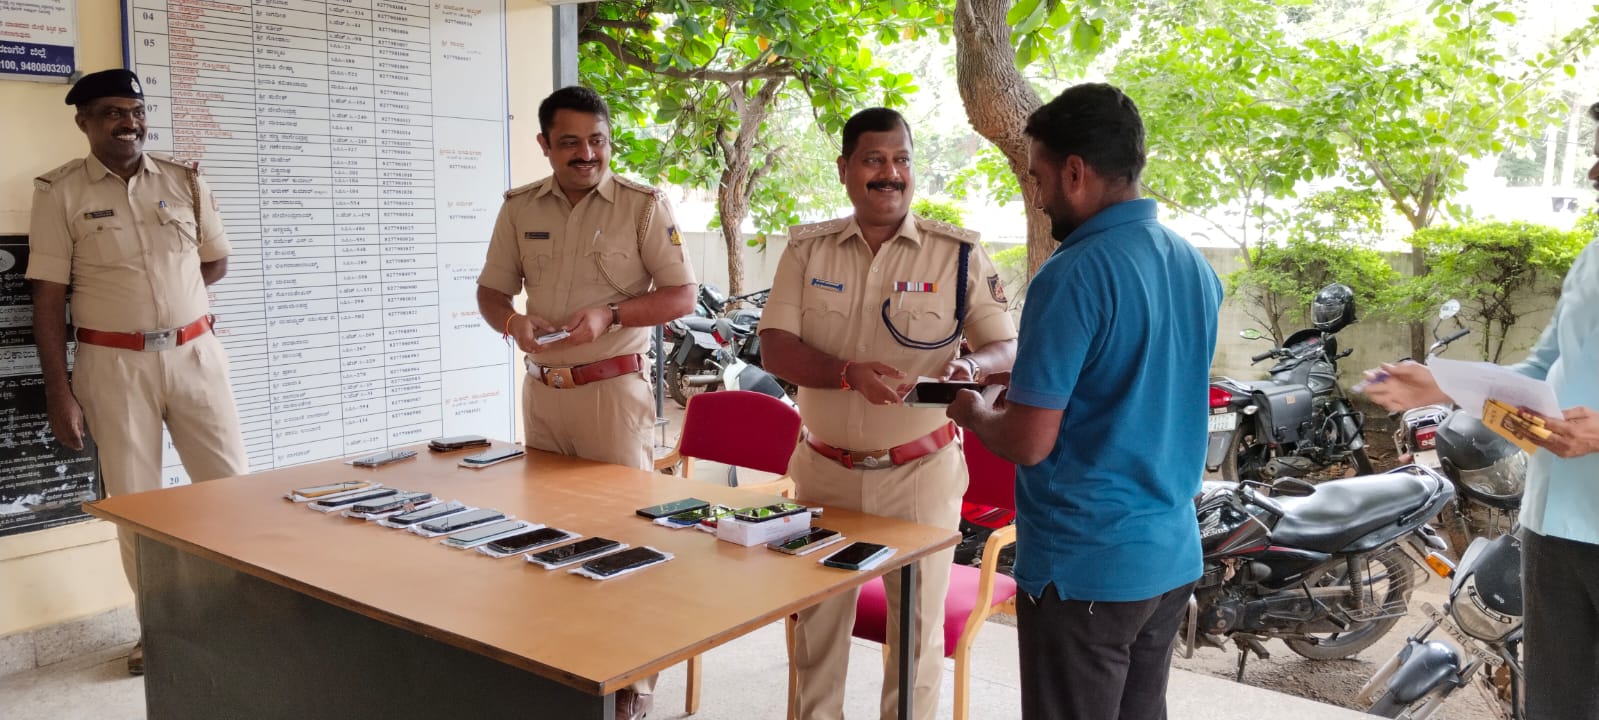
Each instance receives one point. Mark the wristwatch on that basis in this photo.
(976, 370)
(616, 317)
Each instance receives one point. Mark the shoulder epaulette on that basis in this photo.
(191, 165)
(46, 181)
(817, 229)
(518, 190)
(636, 185)
(939, 227)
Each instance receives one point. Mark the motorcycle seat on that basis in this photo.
(699, 324)
(1343, 511)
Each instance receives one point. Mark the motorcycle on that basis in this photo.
(1489, 472)
(1323, 567)
(1299, 420)
(691, 365)
(1482, 622)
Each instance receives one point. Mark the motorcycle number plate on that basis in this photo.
(1470, 644)
(1224, 422)
(1428, 459)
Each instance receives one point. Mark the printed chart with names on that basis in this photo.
(357, 151)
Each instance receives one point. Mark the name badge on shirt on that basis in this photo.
(98, 214)
(535, 235)
(837, 287)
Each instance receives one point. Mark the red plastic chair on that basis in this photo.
(975, 594)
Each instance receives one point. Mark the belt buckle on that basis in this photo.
(559, 377)
(157, 340)
(872, 460)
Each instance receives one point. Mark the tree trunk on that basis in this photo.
(1418, 330)
(998, 100)
(731, 208)
(739, 173)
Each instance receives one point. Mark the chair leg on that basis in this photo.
(793, 675)
(691, 696)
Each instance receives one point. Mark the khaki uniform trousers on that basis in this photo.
(127, 394)
(610, 421)
(928, 491)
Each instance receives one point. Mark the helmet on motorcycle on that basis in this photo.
(1485, 600)
(1333, 308)
(1488, 467)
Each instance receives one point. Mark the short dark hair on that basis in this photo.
(877, 119)
(571, 97)
(1593, 111)
(1096, 122)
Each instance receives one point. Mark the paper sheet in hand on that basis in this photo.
(1472, 384)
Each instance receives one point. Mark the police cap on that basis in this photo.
(106, 83)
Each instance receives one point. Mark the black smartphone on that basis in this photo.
(492, 457)
(854, 555)
(462, 521)
(672, 508)
(480, 533)
(769, 512)
(383, 458)
(937, 394)
(392, 502)
(532, 539)
(426, 514)
(810, 541)
(624, 560)
(457, 442)
(691, 517)
(587, 547)
(353, 499)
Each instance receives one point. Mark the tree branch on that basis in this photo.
(627, 56)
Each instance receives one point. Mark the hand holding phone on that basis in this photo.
(553, 337)
(938, 393)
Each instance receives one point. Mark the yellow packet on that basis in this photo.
(1510, 425)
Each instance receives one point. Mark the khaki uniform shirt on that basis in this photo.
(619, 241)
(830, 290)
(128, 250)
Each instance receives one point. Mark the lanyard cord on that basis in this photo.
(960, 311)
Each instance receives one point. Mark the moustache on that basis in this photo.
(583, 163)
(895, 185)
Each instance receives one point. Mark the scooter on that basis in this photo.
(690, 366)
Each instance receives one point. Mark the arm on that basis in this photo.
(995, 357)
(213, 271)
(785, 355)
(50, 332)
(500, 314)
(1022, 434)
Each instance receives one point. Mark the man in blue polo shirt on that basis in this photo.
(1105, 414)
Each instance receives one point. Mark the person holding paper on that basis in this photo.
(1560, 510)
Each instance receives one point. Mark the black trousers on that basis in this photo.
(1097, 660)
(1560, 588)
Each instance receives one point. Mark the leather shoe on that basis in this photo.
(633, 706)
(136, 660)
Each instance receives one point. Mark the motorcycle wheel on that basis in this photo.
(1360, 635)
(1361, 461)
(1386, 706)
(677, 386)
(1235, 465)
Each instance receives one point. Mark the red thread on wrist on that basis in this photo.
(843, 376)
(506, 332)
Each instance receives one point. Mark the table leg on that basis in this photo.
(907, 639)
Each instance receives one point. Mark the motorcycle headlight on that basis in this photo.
(1502, 480)
(1477, 620)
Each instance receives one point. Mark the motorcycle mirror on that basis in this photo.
(1449, 309)
(1292, 487)
(1250, 334)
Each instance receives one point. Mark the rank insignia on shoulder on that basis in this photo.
(997, 289)
(837, 287)
(536, 235)
(673, 235)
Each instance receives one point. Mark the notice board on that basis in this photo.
(358, 153)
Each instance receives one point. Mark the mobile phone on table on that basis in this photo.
(480, 533)
(316, 491)
(426, 514)
(624, 560)
(585, 548)
(530, 540)
(392, 502)
(672, 508)
(691, 517)
(492, 457)
(938, 394)
(383, 458)
(855, 555)
(457, 442)
(462, 521)
(808, 542)
(331, 503)
(769, 512)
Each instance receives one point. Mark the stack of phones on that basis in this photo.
(494, 456)
(379, 459)
(319, 492)
(344, 500)
(421, 515)
(858, 556)
(672, 508)
(480, 534)
(561, 556)
(457, 442)
(530, 539)
(456, 522)
(807, 542)
(389, 505)
(622, 562)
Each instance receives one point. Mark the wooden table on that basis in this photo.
(253, 606)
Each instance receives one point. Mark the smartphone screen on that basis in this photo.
(672, 508)
(854, 555)
(521, 542)
(363, 497)
(426, 514)
(491, 456)
(581, 548)
(393, 502)
(484, 532)
(768, 512)
(624, 560)
(938, 393)
(462, 521)
(815, 535)
(383, 458)
(691, 517)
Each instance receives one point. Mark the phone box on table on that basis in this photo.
(756, 533)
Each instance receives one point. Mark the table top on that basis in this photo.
(595, 636)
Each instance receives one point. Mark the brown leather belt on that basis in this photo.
(898, 455)
(570, 377)
(154, 340)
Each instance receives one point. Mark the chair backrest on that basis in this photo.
(741, 428)
(993, 478)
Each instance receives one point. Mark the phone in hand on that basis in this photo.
(672, 508)
(383, 458)
(457, 442)
(937, 394)
(855, 555)
(808, 542)
(625, 560)
(492, 457)
(556, 336)
(585, 548)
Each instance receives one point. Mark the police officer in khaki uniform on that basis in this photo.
(601, 258)
(860, 307)
(137, 238)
